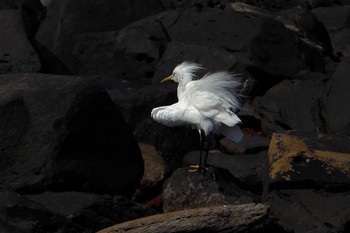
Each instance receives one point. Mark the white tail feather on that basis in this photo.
(233, 133)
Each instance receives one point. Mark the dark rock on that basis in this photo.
(336, 95)
(46, 3)
(299, 161)
(302, 211)
(273, 5)
(212, 58)
(315, 30)
(130, 54)
(172, 143)
(306, 45)
(20, 215)
(194, 4)
(334, 18)
(17, 54)
(275, 50)
(92, 211)
(186, 189)
(249, 170)
(67, 19)
(64, 133)
(32, 12)
(215, 28)
(250, 144)
(293, 104)
(136, 101)
(228, 218)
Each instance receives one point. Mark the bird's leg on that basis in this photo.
(201, 166)
(201, 147)
(206, 150)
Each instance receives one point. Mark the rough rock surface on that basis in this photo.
(64, 133)
(67, 19)
(186, 189)
(17, 54)
(249, 170)
(228, 218)
(91, 211)
(296, 161)
(293, 104)
(312, 211)
(334, 18)
(19, 214)
(338, 118)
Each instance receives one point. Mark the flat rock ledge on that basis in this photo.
(225, 218)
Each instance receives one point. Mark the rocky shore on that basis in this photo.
(80, 153)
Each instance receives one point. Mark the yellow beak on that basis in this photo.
(165, 79)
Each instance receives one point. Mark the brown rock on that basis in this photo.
(296, 161)
(230, 218)
(155, 167)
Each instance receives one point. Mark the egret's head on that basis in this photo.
(184, 71)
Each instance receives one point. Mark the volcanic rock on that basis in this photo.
(249, 170)
(186, 189)
(334, 18)
(300, 161)
(19, 214)
(293, 104)
(17, 54)
(302, 211)
(67, 19)
(64, 133)
(337, 116)
(91, 211)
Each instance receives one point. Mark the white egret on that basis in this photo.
(208, 104)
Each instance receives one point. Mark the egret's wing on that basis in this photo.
(223, 85)
(175, 115)
(212, 106)
(208, 104)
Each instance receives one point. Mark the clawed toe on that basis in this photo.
(197, 168)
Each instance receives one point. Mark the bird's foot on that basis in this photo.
(198, 168)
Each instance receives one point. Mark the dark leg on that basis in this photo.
(206, 150)
(201, 147)
(199, 167)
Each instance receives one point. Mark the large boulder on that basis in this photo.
(64, 133)
(298, 160)
(67, 19)
(248, 171)
(17, 54)
(308, 210)
(335, 20)
(216, 186)
(21, 215)
(337, 114)
(91, 211)
(293, 104)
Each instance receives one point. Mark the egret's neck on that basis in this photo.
(182, 85)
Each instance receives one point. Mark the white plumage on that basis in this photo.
(208, 103)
